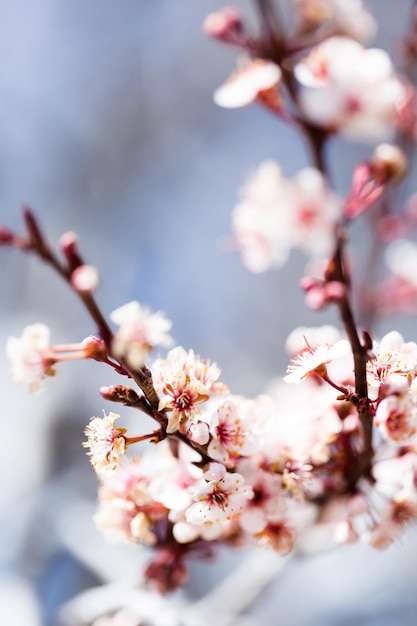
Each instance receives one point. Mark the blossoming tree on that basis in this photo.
(333, 445)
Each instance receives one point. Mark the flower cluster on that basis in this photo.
(330, 449)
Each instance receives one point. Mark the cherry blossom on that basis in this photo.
(219, 497)
(30, 356)
(267, 504)
(396, 418)
(306, 426)
(123, 496)
(181, 398)
(351, 89)
(313, 360)
(392, 355)
(106, 443)
(233, 431)
(139, 331)
(401, 259)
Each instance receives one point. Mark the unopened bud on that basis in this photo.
(69, 246)
(6, 235)
(223, 24)
(85, 279)
(120, 393)
(390, 160)
(94, 348)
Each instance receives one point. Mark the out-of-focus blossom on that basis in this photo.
(392, 355)
(396, 418)
(257, 79)
(306, 422)
(106, 443)
(276, 214)
(30, 356)
(234, 432)
(123, 495)
(140, 331)
(347, 17)
(351, 89)
(401, 259)
(398, 293)
(268, 503)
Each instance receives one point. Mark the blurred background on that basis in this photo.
(108, 129)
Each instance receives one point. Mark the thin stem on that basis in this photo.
(329, 381)
(337, 272)
(271, 29)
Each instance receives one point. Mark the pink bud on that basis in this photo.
(6, 235)
(316, 298)
(307, 283)
(69, 246)
(367, 187)
(199, 433)
(85, 279)
(223, 24)
(335, 290)
(94, 348)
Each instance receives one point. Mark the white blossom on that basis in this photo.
(348, 88)
(30, 356)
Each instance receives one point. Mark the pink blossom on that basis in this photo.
(219, 498)
(181, 397)
(235, 431)
(392, 355)
(267, 504)
(30, 356)
(396, 418)
(123, 495)
(279, 535)
(351, 89)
